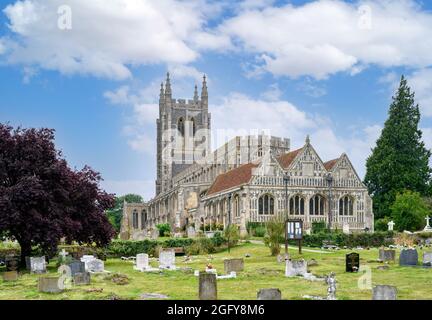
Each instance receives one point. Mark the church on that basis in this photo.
(250, 179)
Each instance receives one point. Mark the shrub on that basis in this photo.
(201, 246)
(164, 229)
(232, 235)
(376, 239)
(275, 235)
(382, 224)
(259, 232)
(319, 226)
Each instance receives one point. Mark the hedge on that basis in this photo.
(376, 239)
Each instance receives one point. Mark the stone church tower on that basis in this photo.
(183, 133)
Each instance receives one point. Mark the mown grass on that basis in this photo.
(261, 271)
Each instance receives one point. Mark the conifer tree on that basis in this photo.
(400, 160)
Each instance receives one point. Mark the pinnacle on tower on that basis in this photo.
(168, 85)
(307, 139)
(204, 92)
(162, 92)
(196, 93)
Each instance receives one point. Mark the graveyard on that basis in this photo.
(121, 280)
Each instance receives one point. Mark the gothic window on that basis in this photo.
(266, 205)
(317, 205)
(135, 219)
(181, 127)
(143, 218)
(236, 206)
(297, 205)
(346, 206)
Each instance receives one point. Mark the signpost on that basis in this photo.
(293, 231)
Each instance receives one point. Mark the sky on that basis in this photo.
(92, 71)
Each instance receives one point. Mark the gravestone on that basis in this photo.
(191, 232)
(427, 259)
(10, 276)
(390, 225)
(76, 267)
(86, 259)
(37, 265)
(384, 293)
(387, 255)
(408, 257)
(82, 278)
(96, 266)
(207, 286)
(269, 294)
(346, 228)
(167, 259)
(236, 265)
(50, 284)
(154, 234)
(295, 268)
(142, 261)
(352, 262)
(11, 262)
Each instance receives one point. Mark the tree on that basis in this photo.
(409, 211)
(275, 235)
(400, 160)
(42, 200)
(115, 214)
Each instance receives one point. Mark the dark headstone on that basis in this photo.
(207, 286)
(81, 279)
(269, 294)
(384, 293)
(236, 265)
(28, 265)
(10, 276)
(49, 284)
(76, 267)
(408, 257)
(387, 255)
(352, 263)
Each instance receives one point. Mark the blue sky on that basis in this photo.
(92, 71)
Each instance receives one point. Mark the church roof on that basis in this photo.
(286, 159)
(232, 178)
(330, 164)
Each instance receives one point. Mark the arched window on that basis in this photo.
(346, 206)
(317, 205)
(266, 205)
(135, 219)
(143, 218)
(181, 127)
(297, 205)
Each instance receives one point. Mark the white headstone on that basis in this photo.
(142, 261)
(295, 268)
(191, 232)
(86, 259)
(167, 259)
(96, 266)
(391, 225)
(346, 228)
(37, 264)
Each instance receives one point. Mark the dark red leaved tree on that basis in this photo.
(43, 200)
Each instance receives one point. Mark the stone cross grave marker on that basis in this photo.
(428, 227)
(391, 225)
(37, 265)
(207, 286)
(384, 293)
(269, 294)
(236, 265)
(167, 259)
(352, 262)
(408, 257)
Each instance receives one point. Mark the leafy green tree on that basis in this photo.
(164, 229)
(382, 224)
(232, 235)
(400, 160)
(115, 215)
(275, 235)
(409, 211)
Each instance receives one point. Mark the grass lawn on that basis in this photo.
(261, 271)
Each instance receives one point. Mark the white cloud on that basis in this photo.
(273, 93)
(312, 89)
(105, 39)
(324, 37)
(421, 83)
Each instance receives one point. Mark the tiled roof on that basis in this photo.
(286, 159)
(330, 164)
(232, 178)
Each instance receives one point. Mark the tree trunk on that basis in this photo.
(25, 252)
